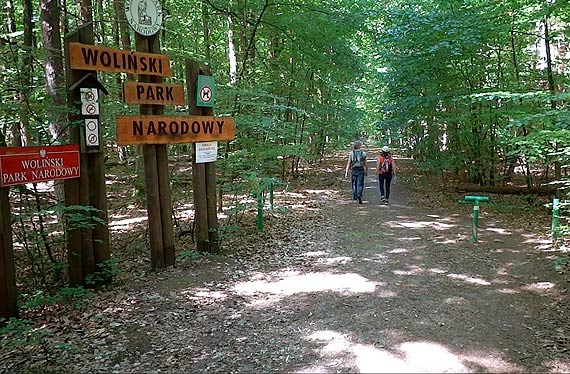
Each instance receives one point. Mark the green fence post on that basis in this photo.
(475, 221)
(260, 211)
(476, 204)
(271, 195)
(555, 218)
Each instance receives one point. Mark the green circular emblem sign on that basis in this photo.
(144, 16)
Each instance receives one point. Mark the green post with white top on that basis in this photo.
(555, 218)
(476, 200)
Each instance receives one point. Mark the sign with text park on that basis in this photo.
(21, 165)
(173, 129)
(153, 93)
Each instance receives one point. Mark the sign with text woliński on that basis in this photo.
(21, 165)
(91, 57)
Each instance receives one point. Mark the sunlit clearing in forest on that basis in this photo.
(313, 282)
(413, 356)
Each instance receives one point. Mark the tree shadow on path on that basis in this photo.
(441, 303)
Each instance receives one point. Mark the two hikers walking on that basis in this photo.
(356, 163)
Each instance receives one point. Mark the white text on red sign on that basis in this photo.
(38, 164)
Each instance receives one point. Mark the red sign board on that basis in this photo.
(21, 165)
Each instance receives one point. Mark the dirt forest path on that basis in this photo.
(348, 288)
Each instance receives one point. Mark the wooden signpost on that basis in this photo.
(88, 248)
(153, 93)
(81, 164)
(173, 129)
(98, 58)
(18, 166)
(23, 165)
(200, 102)
(8, 293)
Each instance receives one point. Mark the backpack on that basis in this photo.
(357, 158)
(384, 164)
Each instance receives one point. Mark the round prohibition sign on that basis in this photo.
(90, 96)
(90, 108)
(91, 125)
(206, 94)
(92, 139)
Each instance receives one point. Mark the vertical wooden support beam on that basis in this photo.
(87, 252)
(153, 207)
(198, 170)
(89, 247)
(211, 196)
(163, 176)
(98, 195)
(165, 204)
(78, 242)
(73, 237)
(151, 178)
(157, 178)
(8, 293)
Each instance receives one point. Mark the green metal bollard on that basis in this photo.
(271, 195)
(476, 200)
(260, 212)
(555, 218)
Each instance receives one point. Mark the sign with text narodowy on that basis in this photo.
(91, 57)
(153, 93)
(173, 129)
(21, 165)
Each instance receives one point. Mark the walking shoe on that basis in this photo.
(359, 200)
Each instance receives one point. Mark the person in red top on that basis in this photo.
(385, 170)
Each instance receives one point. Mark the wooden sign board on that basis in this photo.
(21, 165)
(153, 93)
(173, 129)
(90, 57)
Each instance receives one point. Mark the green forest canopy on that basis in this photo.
(475, 86)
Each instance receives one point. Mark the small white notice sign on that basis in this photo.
(206, 152)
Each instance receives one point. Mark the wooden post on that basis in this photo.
(8, 293)
(165, 204)
(98, 196)
(79, 241)
(163, 176)
(198, 170)
(86, 247)
(87, 252)
(157, 180)
(211, 196)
